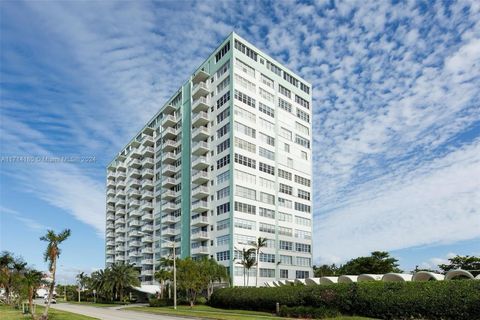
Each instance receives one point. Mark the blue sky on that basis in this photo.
(396, 103)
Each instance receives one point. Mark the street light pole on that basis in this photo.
(174, 279)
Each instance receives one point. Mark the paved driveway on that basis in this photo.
(110, 313)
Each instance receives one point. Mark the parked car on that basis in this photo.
(46, 299)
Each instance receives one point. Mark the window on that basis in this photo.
(266, 95)
(304, 155)
(304, 103)
(290, 79)
(266, 109)
(267, 139)
(284, 174)
(290, 162)
(284, 203)
(274, 68)
(267, 257)
(245, 83)
(286, 245)
(223, 256)
(245, 145)
(224, 145)
(222, 177)
(242, 113)
(245, 161)
(266, 168)
(302, 207)
(224, 84)
(300, 274)
(302, 247)
(267, 273)
(244, 224)
(244, 239)
(301, 234)
(219, 55)
(246, 50)
(267, 198)
(266, 183)
(302, 181)
(267, 125)
(302, 141)
(223, 224)
(286, 147)
(223, 208)
(284, 273)
(223, 99)
(303, 221)
(304, 262)
(285, 189)
(222, 193)
(245, 192)
(302, 194)
(267, 213)
(266, 153)
(302, 115)
(223, 115)
(265, 227)
(266, 81)
(302, 129)
(245, 98)
(284, 217)
(304, 88)
(223, 130)
(285, 133)
(223, 240)
(287, 106)
(246, 177)
(221, 71)
(284, 231)
(286, 260)
(245, 67)
(284, 91)
(244, 129)
(245, 208)
(223, 161)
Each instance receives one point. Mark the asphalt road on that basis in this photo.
(110, 313)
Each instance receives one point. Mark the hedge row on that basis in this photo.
(394, 300)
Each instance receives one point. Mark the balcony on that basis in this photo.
(148, 163)
(147, 228)
(169, 121)
(110, 192)
(147, 261)
(147, 184)
(120, 248)
(169, 157)
(120, 212)
(200, 192)
(148, 239)
(147, 140)
(169, 195)
(200, 177)
(200, 148)
(200, 90)
(169, 206)
(147, 272)
(169, 219)
(134, 214)
(111, 209)
(111, 184)
(134, 244)
(119, 222)
(135, 153)
(133, 183)
(168, 182)
(201, 75)
(199, 206)
(110, 234)
(110, 243)
(146, 206)
(120, 230)
(135, 233)
(134, 173)
(200, 119)
(200, 250)
(170, 145)
(134, 254)
(147, 195)
(169, 109)
(110, 260)
(200, 133)
(134, 193)
(120, 203)
(147, 250)
(169, 170)
(148, 151)
(110, 200)
(147, 217)
(201, 162)
(120, 195)
(134, 223)
(121, 185)
(168, 231)
(119, 239)
(110, 217)
(134, 203)
(134, 163)
(169, 133)
(120, 258)
(200, 235)
(147, 174)
(121, 175)
(201, 104)
(199, 221)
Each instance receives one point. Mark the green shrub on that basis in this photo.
(400, 300)
(160, 302)
(308, 312)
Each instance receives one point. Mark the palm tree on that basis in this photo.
(82, 279)
(32, 279)
(247, 261)
(161, 276)
(261, 243)
(100, 282)
(51, 255)
(122, 277)
(11, 270)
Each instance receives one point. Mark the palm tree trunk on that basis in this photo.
(52, 287)
(258, 269)
(244, 274)
(30, 301)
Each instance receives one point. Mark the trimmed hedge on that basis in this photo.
(394, 300)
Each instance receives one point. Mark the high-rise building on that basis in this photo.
(226, 160)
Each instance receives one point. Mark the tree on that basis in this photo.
(123, 276)
(247, 261)
(11, 269)
(378, 262)
(161, 276)
(325, 270)
(261, 243)
(214, 272)
(32, 280)
(51, 255)
(191, 277)
(100, 282)
(469, 263)
(82, 280)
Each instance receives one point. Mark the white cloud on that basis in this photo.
(29, 223)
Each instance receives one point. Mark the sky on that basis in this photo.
(396, 125)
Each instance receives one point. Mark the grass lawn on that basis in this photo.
(91, 304)
(215, 313)
(9, 313)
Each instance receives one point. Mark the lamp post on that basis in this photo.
(174, 274)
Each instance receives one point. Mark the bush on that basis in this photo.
(160, 302)
(400, 300)
(308, 312)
